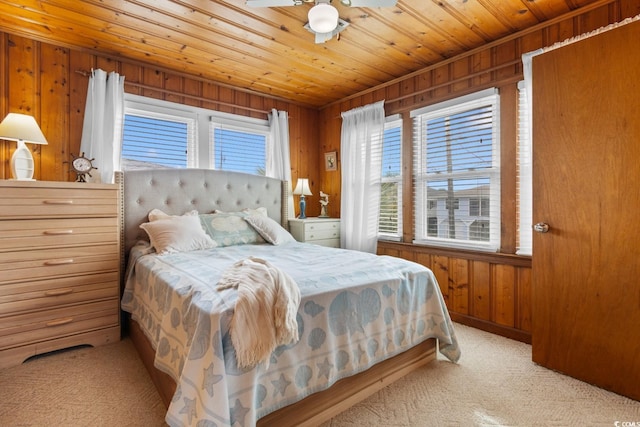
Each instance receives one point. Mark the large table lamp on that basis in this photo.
(302, 189)
(21, 128)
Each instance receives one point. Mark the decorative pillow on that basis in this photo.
(177, 234)
(272, 232)
(229, 229)
(156, 214)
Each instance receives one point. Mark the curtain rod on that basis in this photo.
(185, 95)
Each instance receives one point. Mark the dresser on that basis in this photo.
(59, 267)
(320, 231)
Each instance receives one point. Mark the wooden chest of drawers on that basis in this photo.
(320, 231)
(59, 267)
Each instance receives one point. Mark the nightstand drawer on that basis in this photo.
(46, 263)
(319, 234)
(43, 294)
(319, 231)
(41, 233)
(27, 328)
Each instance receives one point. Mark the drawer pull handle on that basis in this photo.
(59, 262)
(58, 202)
(59, 322)
(58, 292)
(57, 232)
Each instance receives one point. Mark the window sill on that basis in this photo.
(492, 257)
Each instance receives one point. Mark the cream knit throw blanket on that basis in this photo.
(265, 312)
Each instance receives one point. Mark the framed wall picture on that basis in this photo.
(331, 161)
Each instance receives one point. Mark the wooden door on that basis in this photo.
(586, 186)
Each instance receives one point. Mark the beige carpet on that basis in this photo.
(495, 384)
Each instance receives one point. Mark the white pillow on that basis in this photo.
(177, 234)
(269, 229)
(156, 214)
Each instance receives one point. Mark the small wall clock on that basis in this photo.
(82, 166)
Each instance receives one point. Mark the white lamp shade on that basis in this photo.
(302, 187)
(323, 18)
(21, 128)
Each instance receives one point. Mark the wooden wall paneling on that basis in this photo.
(505, 53)
(407, 180)
(508, 162)
(524, 296)
(459, 70)
(459, 285)
(628, 8)
(54, 116)
(4, 101)
(503, 293)
(440, 267)
(23, 88)
(133, 73)
(440, 76)
(481, 61)
(481, 296)
(175, 83)
(78, 86)
(154, 78)
(210, 91)
(194, 88)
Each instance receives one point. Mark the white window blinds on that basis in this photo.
(390, 219)
(238, 145)
(525, 191)
(457, 172)
(156, 140)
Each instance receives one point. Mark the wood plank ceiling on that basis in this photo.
(267, 50)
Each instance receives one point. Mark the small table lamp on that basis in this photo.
(302, 189)
(21, 128)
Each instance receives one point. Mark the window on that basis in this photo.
(155, 136)
(238, 149)
(160, 134)
(457, 172)
(390, 220)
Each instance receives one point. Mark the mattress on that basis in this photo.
(356, 310)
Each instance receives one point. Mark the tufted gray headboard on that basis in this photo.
(176, 191)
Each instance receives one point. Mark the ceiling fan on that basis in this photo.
(324, 21)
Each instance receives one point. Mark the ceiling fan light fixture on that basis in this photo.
(323, 18)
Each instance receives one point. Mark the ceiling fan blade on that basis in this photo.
(273, 3)
(323, 37)
(369, 3)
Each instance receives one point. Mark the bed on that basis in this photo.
(362, 320)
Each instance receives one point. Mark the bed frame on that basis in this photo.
(177, 191)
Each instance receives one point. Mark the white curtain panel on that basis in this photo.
(278, 156)
(103, 121)
(361, 151)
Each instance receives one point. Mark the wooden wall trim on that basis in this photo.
(490, 257)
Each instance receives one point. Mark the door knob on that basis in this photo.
(541, 227)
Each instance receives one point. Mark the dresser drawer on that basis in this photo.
(42, 233)
(43, 202)
(44, 294)
(23, 329)
(49, 263)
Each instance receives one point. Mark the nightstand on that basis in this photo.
(319, 231)
(59, 267)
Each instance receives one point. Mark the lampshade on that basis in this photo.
(323, 18)
(21, 128)
(302, 187)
